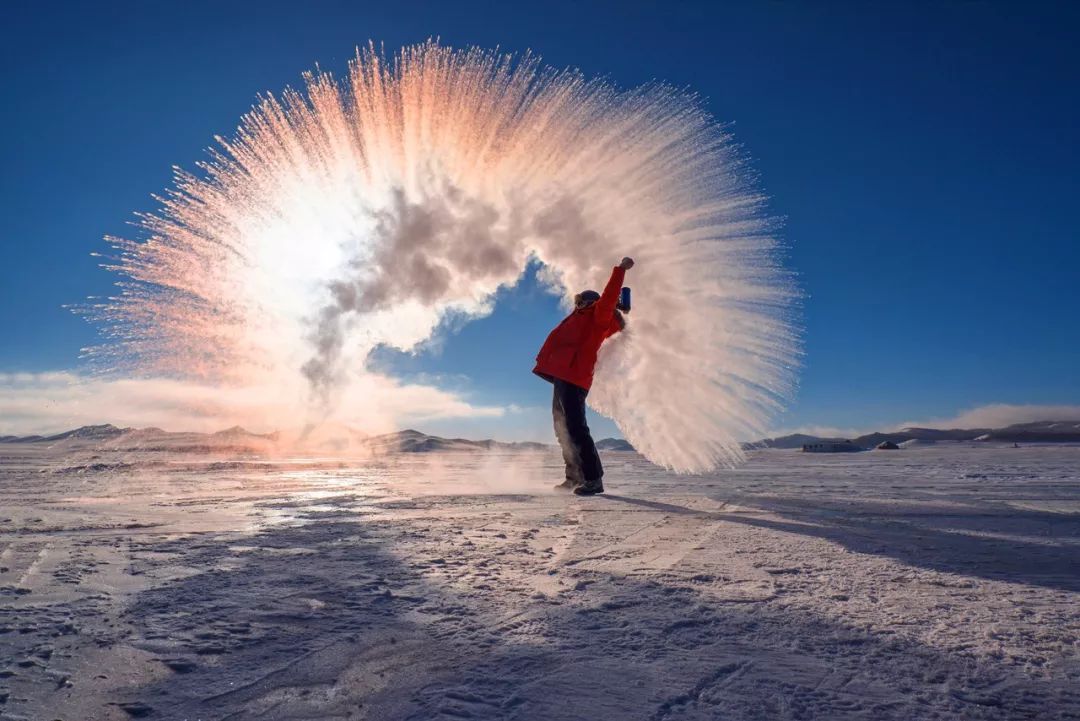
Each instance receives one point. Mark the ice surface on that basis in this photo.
(932, 582)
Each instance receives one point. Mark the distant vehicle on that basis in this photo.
(831, 447)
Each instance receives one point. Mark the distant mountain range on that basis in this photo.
(111, 437)
(108, 436)
(410, 441)
(234, 439)
(1037, 432)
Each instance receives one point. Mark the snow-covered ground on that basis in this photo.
(937, 582)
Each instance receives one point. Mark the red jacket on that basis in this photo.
(569, 353)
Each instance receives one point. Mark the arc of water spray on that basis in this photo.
(363, 210)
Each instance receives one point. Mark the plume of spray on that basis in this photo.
(366, 210)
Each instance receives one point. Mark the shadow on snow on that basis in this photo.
(332, 619)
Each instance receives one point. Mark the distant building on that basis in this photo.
(831, 447)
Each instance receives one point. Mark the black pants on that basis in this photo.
(578, 449)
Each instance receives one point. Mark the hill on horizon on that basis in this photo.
(342, 438)
(110, 437)
(1034, 432)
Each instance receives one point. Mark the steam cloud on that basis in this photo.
(422, 251)
(362, 212)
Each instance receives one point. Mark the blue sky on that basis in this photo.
(924, 157)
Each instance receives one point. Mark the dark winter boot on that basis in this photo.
(589, 488)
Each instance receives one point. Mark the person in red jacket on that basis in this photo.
(567, 359)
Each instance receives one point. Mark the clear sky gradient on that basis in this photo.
(924, 155)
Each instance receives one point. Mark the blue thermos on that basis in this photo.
(624, 300)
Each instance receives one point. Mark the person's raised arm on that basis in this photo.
(605, 307)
